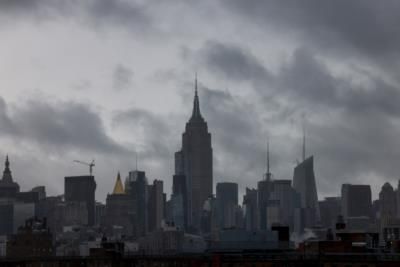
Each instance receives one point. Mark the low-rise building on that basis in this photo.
(32, 240)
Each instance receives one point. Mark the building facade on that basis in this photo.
(81, 189)
(304, 184)
(227, 203)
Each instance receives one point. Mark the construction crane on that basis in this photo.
(91, 165)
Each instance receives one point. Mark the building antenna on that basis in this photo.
(195, 83)
(268, 176)
(304, 140)
(136, 155)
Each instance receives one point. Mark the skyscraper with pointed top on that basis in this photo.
(264, 189)
(304, 183)
(8, 188)
(196, 163)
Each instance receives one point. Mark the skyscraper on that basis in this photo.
(286, 199)
(196, 161)
(304, 184)
(156, 205)
(387, 202)
(227, 202)
(250, 206)
(80, 190)
(136, 187)
(8, 188)
(330, 209)
(179, 201)
(264, 189)
(119, 211)
(356, 201)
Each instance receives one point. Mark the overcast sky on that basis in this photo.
(101, 79)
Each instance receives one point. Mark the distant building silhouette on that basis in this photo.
(356, 201)
(178, 202)
(330, 209)
(264, 189)
(304, 184)
(250, 206)
(156, 205)
(119, 212)
(387, 202)
(285, 200)
(136, 186)
(195, 162)
(227, 204)
(8, 188)
(80, 190)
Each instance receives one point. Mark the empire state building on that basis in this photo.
(195, 162)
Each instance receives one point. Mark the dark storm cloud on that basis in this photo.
(311, 83)
(304, 79)
(130, 14)
(122, 77)
(231, 61)
(65, 125)
(368, 26)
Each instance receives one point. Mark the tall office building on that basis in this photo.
(250, 206)
(156, 205)
(387, 202)
(330, 209)
(304, 184)
(356, 201)
(398, 200)
(7, 216)
(227, 204)
(264, 189)
(195, 161)
(8, 188)
(284, 198)
(81, 190)
(178, 202)
(119, 211)
(136, 187)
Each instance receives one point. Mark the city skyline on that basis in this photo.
(97, 82)
(195, 123)
(242, 185)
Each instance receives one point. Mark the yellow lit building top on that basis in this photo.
(118, 188)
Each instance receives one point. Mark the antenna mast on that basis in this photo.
(268, 174)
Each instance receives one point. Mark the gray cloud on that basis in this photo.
(65, 125)
(122, 77)
(157, 142)
(130, 15)
(349, 123)
(231, 61)
(370, 27)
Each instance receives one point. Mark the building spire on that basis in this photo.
(195, 85)
(7, 163)
(304, 143)
(136, 160)
(268, 174)
(196, 103)
(7, 177)
(118, 187)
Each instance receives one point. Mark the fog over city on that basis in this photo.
(112, 79)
